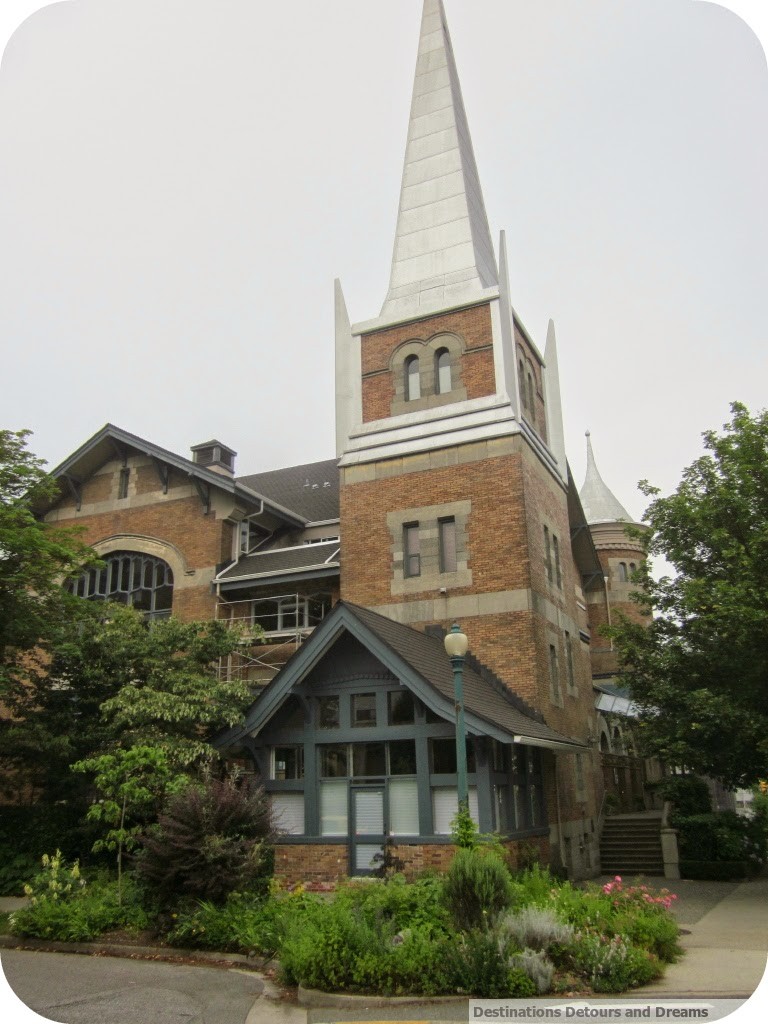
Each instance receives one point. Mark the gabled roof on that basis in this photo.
(310, 490)
(112, 441)
(419, 661)
(303, 558)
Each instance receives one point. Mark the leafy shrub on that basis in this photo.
(688, 793)
(533, 928)
(64, 908)
(721, 836)
(337, 946)
(28, 832)
(612, 964)
(714, 870)
(247, 923)
(212, 840)
(535, 885)
(478, 887)
(418, 904)
(538, 967)
(480, 968)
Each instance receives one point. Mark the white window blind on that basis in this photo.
(333, 808)
(445, 806)
(369, 812)
(403, 807)
(364, 856)
(288, 810)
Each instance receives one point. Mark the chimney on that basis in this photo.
(215, 456)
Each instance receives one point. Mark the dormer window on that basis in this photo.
(412, 379)
(443, 382)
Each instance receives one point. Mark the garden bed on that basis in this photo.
(475, 931)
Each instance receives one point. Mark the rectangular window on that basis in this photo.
(570, 675)
(333, 761)
(501, 809)
(328, 712)
(445, 807)
(402, 757)
(401, 709)
(333, 809)
(447, 538)
(364, 710)
(411, 556)
(554, 672)
(579, 775)
(368, 759)
(558, 570)
(548, 554)
(500, 760)
(403, 807)
(122, 486)
(443, 756)
(288, 811)
(289, 763)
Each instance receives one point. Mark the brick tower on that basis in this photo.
(456, 498)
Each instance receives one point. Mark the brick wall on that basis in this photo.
(476, 371)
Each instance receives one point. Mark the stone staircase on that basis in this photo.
(631, 844)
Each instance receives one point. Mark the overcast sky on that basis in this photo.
(182, 180)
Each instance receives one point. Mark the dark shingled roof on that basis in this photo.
(312, 490)
(283, 560)
(426, 654)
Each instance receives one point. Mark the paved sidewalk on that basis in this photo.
(727, 944)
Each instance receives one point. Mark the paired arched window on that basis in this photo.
(442, 371)
(412, 379)
(142, 581)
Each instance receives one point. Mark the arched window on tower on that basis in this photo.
(531, 405)
(623, 572)
(521, 379)
(412, 379)
(443, 382)
(129, 577)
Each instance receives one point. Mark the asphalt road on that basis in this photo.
(107, 990)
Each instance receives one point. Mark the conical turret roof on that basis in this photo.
(443, 254)
(600, 504)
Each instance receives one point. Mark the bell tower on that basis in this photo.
(453, 474)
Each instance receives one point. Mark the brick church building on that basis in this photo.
(449, 499)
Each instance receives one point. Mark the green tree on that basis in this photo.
(113, 682)
(698, 668)
(132, 784)
(34, 557)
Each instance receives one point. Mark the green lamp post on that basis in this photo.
(456, 645)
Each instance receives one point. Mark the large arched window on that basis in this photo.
(443, 382)
(412, 379)
(142, 581)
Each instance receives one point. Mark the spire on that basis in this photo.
(443, 254)
(553, 402)
(599, 503)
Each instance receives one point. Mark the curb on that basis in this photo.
(314, 997)
(169, 953)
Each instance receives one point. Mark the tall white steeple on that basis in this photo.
(443, 254)
(600, 504)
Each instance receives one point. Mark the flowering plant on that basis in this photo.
(56, 880)
(622, 895)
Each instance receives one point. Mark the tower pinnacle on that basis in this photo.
(599, 502)
(443, 254)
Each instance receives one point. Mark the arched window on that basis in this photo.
(623, 572)
(412, 379)
(521, 378)
(442, 371)
(531, 405)
(142, 581)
